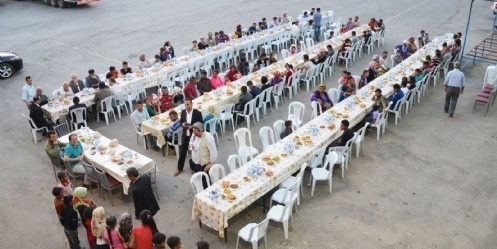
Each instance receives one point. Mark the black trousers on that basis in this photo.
(182, 152)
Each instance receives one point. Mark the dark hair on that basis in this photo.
(376, 107)
(318, 9)
(173, 241)
(147, 219)
(457, 42)
(61, 175)
(49, 133)
(111, 222)
(345, 122)
(306, 57)
(139, 102)
(132, 171)
(396, 86)
(365, 71)
(243, 89)
(158, 238)
(125, 63)
(288, 123)
(101, 85)
(111, 79)
(354, 33)
(87, 213)
(189, 99)
(417, 70)
(378, 90)
(75, 100)
(404, 82)
(250, 83)
(67, 200)
(264, 80)
(28, 77)
(173, 112)
(202, 245)
(112, 68)
(91, 71)
(56, 191)
(36, 98)
(192, 79)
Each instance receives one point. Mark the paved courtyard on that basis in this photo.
(428, 183)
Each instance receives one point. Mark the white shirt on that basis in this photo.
(65, 93)
(455, 78)
(28, 92)
(211, 146)
(295, 31)
(139, 117)
(384, 62)
(116, 88)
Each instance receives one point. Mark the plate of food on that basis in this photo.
(269, 173)
(246, 178)
(225, 184)
(129, 162)
(234, 186)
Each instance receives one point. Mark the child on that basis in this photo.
(86, 221)
(202, 245)
(69, 219)
(111, 235)
(174, 242)
(58, 200)
(343, 79)
(159, 240)
(64, 183)
(125, 227)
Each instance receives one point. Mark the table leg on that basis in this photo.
(200, 223)
(225, 235)
(264, 204)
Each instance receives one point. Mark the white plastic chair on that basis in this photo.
(107, 110)
(285, 53)
(217, 172)
(278, 93)
(245, 155)
(138, 133)
(78, 117)
(268, 92)
(287, 183)
(316, 160)
(120, 102)
(283, 195)
(175, 142)
(343, 153)
(295, 121)
(253, 232)
(346, 57)
(212, 125)
(323, 173)
(297, 108)
(243, 138)
(333, 93)
(309, 43)
(283, 213)
(359, 141)
(225, 113)
(248, 111)
(234, 162)
(196, 181)
(380, 124)
(132, 96)
(316, 109)
(33, 128)
(397, 109)
(267, 137)
(278, 127)
(307, 79)
(259, 106)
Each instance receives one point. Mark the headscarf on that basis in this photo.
(98, 222)
(125, 226)
(79, 199)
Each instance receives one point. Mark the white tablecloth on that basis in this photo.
(103, 161)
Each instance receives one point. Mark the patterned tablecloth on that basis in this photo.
(58, 108)
(230, 93)
(213, 206)
(111, 160)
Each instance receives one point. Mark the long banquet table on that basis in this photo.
(215, 205)
(229, 93)
(112, 159)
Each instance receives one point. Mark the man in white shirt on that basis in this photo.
(140, 115)
(65, 90)
(274, 23)
(115, 87)
(28, 91)
(454, 85)
(203, 148)
(295, 30)
(384, 60)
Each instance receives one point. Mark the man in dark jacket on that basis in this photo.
(143, 195)
(188, 117)
(36, 114)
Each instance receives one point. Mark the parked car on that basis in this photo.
(9, 64)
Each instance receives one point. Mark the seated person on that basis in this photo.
(222, 38)
(404, 50)
(52, 147)
(190, 89)
(263, 61)
(244, 98)
(425, 69)
(125, 69)
(255, 68)
(238, 32)
(175, 125)
(384, 61)
(418, 74)
(165, 100)
(143, 63)
(344, 77)
(36, 114)
(76, 84)
(102, 93)
(44, 98)
(348, 89)
(140, 115)
(254, 90)
(272, 58)
(403, 85)
(299, 47)
(114, 73)
(76, 105)
(204, 84)
(346, 136)
(321, 96)
(293, 50)
(163, 56)
(73, 155)
(202, 44)
(347, 44)
(276, 78)
(178, 97)
(329, 51)
(244, 66)
(115, 87)
(233, 73)
(264, 82)
(169, 49)
(194, 46)
(287, 130)
(379, 100)
(216, 81)
(396, 96)
(372, 116)
(397, 59)
(156, 62)
(288, 74)
(364, 79)
(320, 58)
(92, 80)
(253, 29)
(149, 107)
(305, 66)
(65, 90)
(274, 23)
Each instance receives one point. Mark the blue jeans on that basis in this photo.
(72, 237)
(317, 32)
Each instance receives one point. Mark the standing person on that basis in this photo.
(64, 183)
(141, 237)
(98, 227)
(174, 242)
(454, 85)
(143, 195)
(81, 201)
(188, 117)
(86, 221)
(58, 201)
(28, 91)
(204, 151)
(125, 228)
(317, 24)
(69, 220)
(111, 236)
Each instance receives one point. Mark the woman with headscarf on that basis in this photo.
(98, 226)
(80, 200)
(125, 228)
(373, 68)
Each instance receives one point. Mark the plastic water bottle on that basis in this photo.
(129, 154)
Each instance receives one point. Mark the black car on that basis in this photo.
(9, 64)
